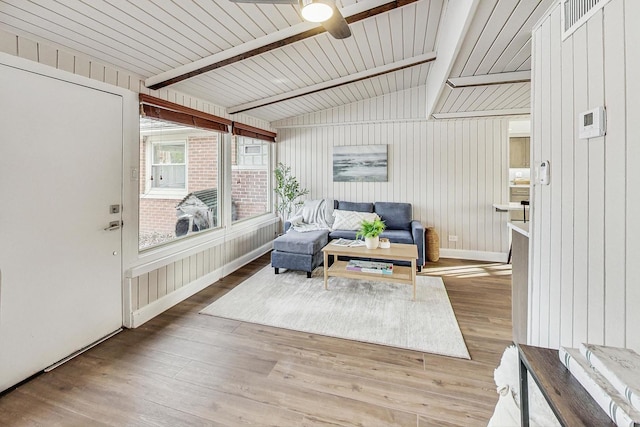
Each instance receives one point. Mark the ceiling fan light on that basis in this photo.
(315, 10)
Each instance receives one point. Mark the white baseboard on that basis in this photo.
(148, 312)
(473, 255)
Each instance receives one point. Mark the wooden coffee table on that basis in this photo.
(397, 252)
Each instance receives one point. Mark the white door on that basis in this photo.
(60, 170)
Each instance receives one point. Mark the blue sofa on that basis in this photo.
(301, 251)
(401, 228)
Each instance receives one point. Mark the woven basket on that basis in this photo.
(432, 244)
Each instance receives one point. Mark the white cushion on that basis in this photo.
(351, 220)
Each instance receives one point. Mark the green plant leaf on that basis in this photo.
(288, 190)
(371, 228)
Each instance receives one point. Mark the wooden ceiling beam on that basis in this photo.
(301, 31)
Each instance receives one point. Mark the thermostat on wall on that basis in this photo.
(592, 123)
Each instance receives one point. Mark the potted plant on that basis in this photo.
(288, 190)
(371, 230)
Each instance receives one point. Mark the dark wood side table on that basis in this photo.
(570, 402)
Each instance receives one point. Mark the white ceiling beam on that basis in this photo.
(194, 67)
(490, 79)
(485, 113)
(455, 23)
(351, 78)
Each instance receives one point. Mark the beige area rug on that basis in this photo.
(360, 310)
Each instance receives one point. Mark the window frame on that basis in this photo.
(175, 136)
(156, 256)
(165, 193)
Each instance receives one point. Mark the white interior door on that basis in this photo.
(60, 170)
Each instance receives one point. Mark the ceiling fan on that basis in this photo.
(323, 11)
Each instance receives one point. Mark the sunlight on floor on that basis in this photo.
(479, 270)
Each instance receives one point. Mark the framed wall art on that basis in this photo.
(360, 163)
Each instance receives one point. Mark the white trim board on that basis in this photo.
(490, 79)
(473, 255)
(361, 122)
(487, 113)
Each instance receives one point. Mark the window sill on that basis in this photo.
(167, 196)
(154, 258)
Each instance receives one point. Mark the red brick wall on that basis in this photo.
(158, 215)
(249, 192)
(202, 161)
(234, 150)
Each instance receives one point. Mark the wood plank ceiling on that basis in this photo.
(154, 37)
(498, 41)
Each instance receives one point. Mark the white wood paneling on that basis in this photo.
(614, 184)
(151, 286)
(581, 201)
(631, 10)
(596, 174)
(408, 104)
(450, 171)
(555, 192)
(500, 31)
(566, 254)
(536, 129)
(582, 275)
(484, 98)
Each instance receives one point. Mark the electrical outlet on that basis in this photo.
(453, 238)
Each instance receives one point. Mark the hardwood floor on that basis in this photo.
(183, 368)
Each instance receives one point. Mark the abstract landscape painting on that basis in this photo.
(360, 163)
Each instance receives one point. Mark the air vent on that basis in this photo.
(577, 12)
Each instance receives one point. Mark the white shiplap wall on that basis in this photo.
(450, 171)
(165, 284)
(154, 289)
(584, 246)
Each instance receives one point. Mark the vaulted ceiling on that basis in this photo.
(264, 60)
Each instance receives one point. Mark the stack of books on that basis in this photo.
(611, 375)
(370, 266)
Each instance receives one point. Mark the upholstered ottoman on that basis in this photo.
(299, 251)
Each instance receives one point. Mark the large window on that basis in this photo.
(179, 195)
(250, 178)
(181, 191)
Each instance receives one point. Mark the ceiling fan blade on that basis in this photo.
(266, 1)
(336, 25)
